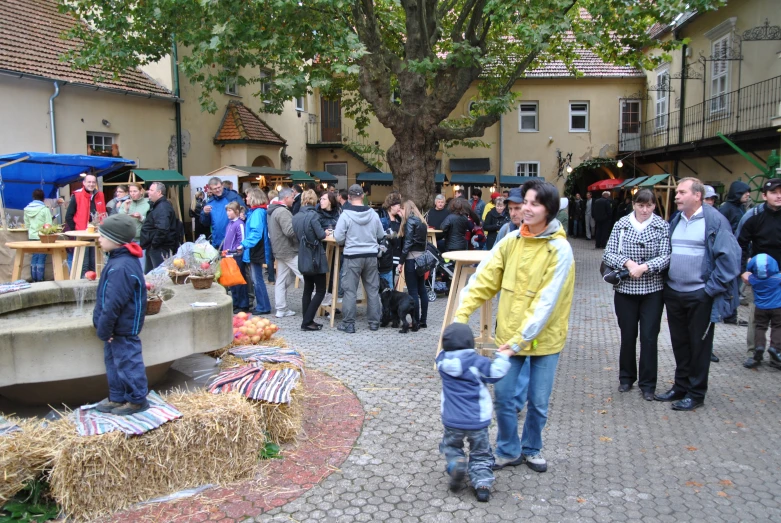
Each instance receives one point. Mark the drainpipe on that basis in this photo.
(51, 116)
(501, 155)
(178, 118)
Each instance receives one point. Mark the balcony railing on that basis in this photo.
(749, 108)
(340, 134)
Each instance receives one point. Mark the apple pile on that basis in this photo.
(248, 329)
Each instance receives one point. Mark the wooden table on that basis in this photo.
(333, 253)
(57, 250)
(463, 270)
(80, 253)
(432, 236)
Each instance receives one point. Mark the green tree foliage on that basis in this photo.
(428, 51)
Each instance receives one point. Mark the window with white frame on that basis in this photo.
(300, 101)
(578, 117)
(100, 142)
(527, 168)
(662, 97)
(232, 88)
(266, 85)
(528, 117)
(719, 74)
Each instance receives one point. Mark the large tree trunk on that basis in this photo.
(413, 159)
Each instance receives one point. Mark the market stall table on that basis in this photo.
(333, 253)
(57, 250)
(80, 253)
(461, 273)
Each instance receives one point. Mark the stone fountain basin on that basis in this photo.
(50, 356)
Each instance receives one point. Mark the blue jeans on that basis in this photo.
(542, 371)
(262, 303)
(388, 277)
(239, 292)
(37, 266)
(481, 459)
(522, 389)
(125, 370)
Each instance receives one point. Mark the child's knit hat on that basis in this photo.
(119, 228)
(457, 336)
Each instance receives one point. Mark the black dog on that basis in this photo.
(395, 307)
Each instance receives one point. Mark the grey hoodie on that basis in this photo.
(280, 232)
(359, 230)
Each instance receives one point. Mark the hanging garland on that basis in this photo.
(572, 178)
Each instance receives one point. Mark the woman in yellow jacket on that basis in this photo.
(534, 269)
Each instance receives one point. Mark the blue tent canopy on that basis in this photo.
(22, 173)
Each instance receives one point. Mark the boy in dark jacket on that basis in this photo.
(119, 314)
(467, 407)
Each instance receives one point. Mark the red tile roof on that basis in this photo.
(589, 64)
(30, 43)
(240, 123)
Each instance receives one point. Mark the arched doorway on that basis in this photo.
(589, 172)
(262, 161)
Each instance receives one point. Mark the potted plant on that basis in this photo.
(202, 273)
(154, 289)
(48, 232)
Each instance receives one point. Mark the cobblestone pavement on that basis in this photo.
(612, 457)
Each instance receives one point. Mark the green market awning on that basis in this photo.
(653, 180)
(439, 178)
(300, 177)
(632, 183)
(169, 177)
(478, 180)
(375, 178)
(324, 176)
(516, 180)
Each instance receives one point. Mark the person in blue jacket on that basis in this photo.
(119, 315)
(467, 407)
(765, 281)
(213, 214)
(256, 248)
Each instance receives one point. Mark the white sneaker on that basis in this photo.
(536, 462)
(285, 314)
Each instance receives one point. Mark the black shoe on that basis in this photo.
(349, 328)
(714, 358)
(648, 395)
(756, 359)
(687, 404)
(670, 395)
(742, 323)
(483, 494)
(625, 387)
(774, 354)
(422, 325)
(311, 327)
(731, 321)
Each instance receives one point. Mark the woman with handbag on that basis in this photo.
(640, 245)
(311, 258)
(414, 232)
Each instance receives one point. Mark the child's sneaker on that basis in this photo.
(128, 409)
(483, 494)
(106, 406)
(457, 474)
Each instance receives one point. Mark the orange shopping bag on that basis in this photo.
(230, 273)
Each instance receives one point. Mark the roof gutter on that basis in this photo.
(17, 74)
(51, 116)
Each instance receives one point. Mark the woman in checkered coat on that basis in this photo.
(639, 243)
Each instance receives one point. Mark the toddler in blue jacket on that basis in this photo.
(119, 315)
(467, 407)
(765, 282)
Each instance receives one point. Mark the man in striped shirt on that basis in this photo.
(704, 263)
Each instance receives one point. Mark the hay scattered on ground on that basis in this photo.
(218, 440)
(23, 456)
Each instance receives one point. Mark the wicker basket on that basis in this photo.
(201, 282)
(153, 306)
(179, 278)
(48, 238)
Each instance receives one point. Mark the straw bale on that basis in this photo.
(23, 456)
(283, 420)
(217, 441)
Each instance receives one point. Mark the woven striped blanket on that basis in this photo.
(6, 427)
(14, 286)
(90, 422)
(272, 386)
(269, 354)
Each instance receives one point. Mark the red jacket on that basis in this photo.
(81, 213)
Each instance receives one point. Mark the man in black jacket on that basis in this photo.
(158, 234)
(602, 212)
(734, 205)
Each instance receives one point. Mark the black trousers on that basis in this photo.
(602, 233)
(416, 287)
(309, 304)
(767, 318)
(154, 257)
(691, 333)
(645, 310)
